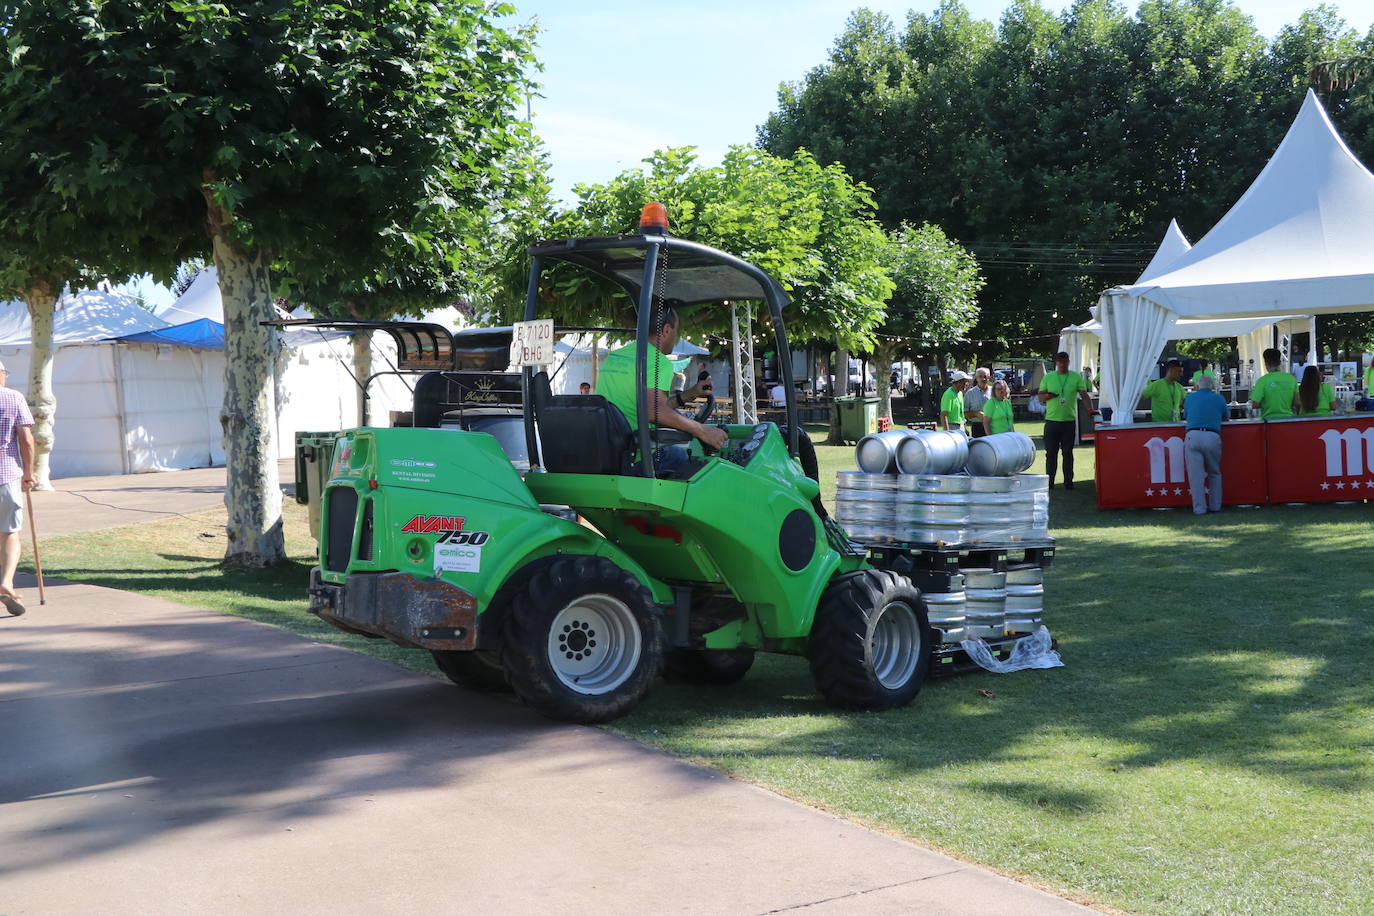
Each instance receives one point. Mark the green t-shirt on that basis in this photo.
(616, 380)
(1166, 400)
(1326, 396)
(1065, 388)
(1200, 373)
(1369, 380)
(952, 405)
(1273, 392)
(998, 414)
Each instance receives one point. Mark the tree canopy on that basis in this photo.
(809, 226)
(1057, 147)
(337, 138)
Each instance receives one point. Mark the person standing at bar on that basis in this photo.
(1275, 392)
(952, 401)
(1166, 394)
(1315, 397)
(974, 399)
(1057, 391)
(1205, 411)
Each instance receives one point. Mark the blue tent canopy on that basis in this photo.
(201, 334)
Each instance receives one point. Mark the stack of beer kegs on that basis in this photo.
(945, 605)
(932, 508)
(864, 506)
(1025, 598)
(985, 603)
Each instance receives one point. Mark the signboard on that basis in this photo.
(531, 343)
(1143, 466)
(1321, 459)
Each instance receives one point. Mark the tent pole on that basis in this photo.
(120, 409)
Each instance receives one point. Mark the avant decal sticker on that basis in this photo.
(428, 524)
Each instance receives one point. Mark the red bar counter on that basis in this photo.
(1320, 459)
(1142, 466)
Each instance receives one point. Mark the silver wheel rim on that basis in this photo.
(594, 644)
(896, 645)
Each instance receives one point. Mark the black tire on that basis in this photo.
(583, 642)
(716, 667)
(853, 669)
(479, 670)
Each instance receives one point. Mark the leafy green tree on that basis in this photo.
(311, 133)
(934, 303)
(808, 225)
(1212, 349)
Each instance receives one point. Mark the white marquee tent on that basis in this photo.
(1299, 241)
(130, 406)
(1253, 335)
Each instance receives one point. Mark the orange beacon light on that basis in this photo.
(654, 218)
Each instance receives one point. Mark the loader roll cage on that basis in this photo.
(696, 275)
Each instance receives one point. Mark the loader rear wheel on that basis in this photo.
(479, 670)
(718, 667)
(583, 642)
(870, 645)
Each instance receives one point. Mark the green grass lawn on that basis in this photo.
(1209, 747)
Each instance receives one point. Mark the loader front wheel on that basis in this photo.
(583, 642)
(870, 645)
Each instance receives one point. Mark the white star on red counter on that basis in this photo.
(1340, 485)
(1178, 492)
(1149, 492)
(1326, 486)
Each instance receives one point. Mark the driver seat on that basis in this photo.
(580, 433)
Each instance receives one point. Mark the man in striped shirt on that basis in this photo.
(16, 476)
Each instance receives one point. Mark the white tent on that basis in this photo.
(125, 407)
(1299, 241)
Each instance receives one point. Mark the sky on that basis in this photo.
(623, 78)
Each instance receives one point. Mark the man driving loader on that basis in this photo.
(616, 383)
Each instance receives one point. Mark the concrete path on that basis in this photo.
(94, 503)
(164, 759)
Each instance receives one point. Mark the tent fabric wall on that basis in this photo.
(171, 401)
(1133, 332)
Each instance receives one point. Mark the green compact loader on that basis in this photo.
(434, 539)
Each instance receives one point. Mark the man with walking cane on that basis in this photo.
(16, 479)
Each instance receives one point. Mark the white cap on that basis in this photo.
(959, 375)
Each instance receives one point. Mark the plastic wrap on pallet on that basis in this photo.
(1033, 651)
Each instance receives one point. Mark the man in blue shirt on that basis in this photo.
(1205, 411)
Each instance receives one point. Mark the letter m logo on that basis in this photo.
(1166, 455)
(1349, 452)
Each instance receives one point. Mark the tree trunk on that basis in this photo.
(252, 493)
(884, 352)
(927, 402)
(42, 302)
(362, 368)
(840, 389)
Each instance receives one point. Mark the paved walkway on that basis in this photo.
(159, 758)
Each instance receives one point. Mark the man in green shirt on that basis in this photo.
(1166, 394)
(952, 401)
(1275, 390)
(1059, 392)
(1369, 381)
(616, 383)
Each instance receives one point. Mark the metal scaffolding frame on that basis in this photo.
(742, 363)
